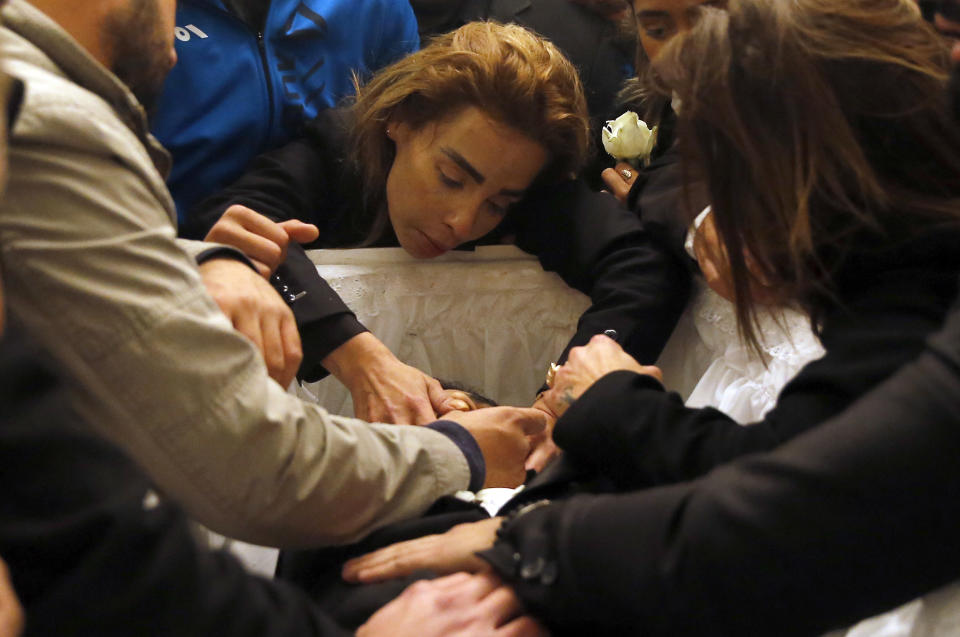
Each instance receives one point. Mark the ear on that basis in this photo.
(398, 131)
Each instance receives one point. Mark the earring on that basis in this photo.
(388, 132)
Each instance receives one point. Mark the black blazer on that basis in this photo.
(850, 519)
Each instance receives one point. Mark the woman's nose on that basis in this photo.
(460, 220)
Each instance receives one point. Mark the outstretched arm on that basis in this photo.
(626, 426)
(846, 521)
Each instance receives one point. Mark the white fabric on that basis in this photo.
(491, 319)
(737, 381)
(734, 381)
(936, 614)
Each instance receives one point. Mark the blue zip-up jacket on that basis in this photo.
(239, 90)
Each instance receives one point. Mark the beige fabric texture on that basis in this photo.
(92, 269)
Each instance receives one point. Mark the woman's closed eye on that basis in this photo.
(448, 180)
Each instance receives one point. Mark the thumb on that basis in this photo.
(299, 231)
(531, 420)
(442, 402)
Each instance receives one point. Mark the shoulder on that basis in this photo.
(56, 110)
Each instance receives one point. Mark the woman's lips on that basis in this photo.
(439, 248)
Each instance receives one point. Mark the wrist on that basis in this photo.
(359, 352)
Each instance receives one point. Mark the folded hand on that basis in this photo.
(586, 365)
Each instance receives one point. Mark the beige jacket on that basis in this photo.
(92, 269)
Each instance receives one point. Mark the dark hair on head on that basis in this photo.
(516, 77)
(478, 398)
(815, 122)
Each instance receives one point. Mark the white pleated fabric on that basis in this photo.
(491, 319)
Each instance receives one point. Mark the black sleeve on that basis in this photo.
(290, 182)
(324, 320)
(88, 551)
(636, 286)
(294, 182)
(641, 436)
(848, 520)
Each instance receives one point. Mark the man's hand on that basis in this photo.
(262, 240)
(459, 605)
(257, 312)
(502, 434)
(619, 180)
(586, 365)
(542, 447)
(444, 553)
(383, 388)
(11, 614)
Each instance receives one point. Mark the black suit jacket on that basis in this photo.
(850, 519)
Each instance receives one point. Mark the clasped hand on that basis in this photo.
(251, 304)
(586, 365)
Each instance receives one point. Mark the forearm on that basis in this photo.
(160, 371)
(627, 428)
(286, 183)
(93, 553)
(843, 522)
(324, 320)
(636, 286)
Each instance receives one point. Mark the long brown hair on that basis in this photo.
(516, 77)
(816, 123)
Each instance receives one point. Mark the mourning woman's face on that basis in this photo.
(452, 181)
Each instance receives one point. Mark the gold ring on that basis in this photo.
(627, 174)
(551, 374)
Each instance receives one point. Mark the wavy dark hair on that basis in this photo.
(816, 123)
(516, 77)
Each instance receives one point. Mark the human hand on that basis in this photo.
(542, 447)
(458, 605)
(263, 241)
(714, 262)
(257, 312)
(586, 365)
(442, 553)
(619, 180)
(383, 388)
(11, 614)
(502, 435)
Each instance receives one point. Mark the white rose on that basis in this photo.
(628, 138)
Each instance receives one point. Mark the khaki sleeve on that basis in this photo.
(92, 269)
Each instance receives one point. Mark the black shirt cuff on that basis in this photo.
(224, 252)
(468, 445)
(319, 337)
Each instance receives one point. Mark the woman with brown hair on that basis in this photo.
(833, 169)
(824, 134)
(437, 150)
(432, 153)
